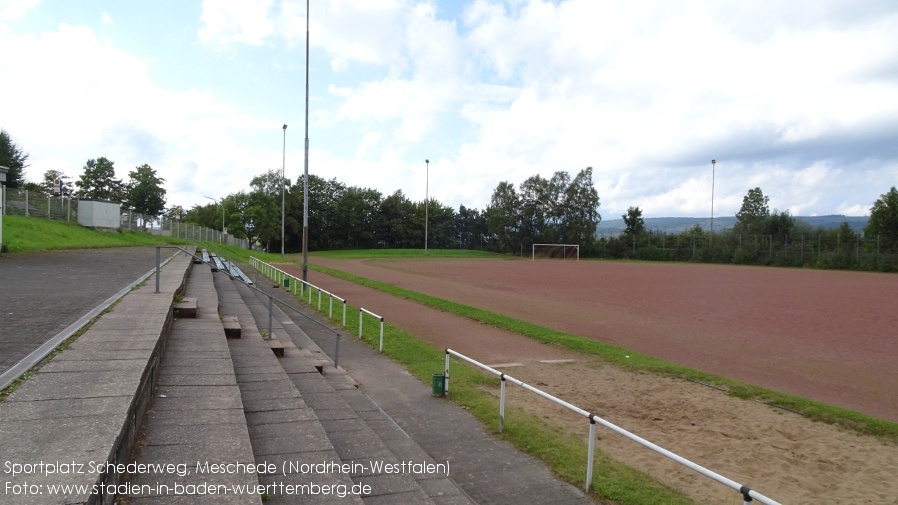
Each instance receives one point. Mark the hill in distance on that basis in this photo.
(673, 225)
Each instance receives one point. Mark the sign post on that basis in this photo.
(3, 171)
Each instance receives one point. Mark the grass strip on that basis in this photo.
(28, 234)
(884, 430)
(565, 453)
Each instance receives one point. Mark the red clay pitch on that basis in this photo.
(824, 335)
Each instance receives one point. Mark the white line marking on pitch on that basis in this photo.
(554, 361)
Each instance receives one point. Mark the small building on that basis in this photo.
(99, 214)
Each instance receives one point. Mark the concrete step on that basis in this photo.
(284, 431)
(196, 416)
(360, 431)
(276, 346)
(186, 308)
(231, 325)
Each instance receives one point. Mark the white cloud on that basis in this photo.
(10, 10)
(227, 22)
(106, 18)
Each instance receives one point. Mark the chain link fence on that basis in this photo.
(19, 202)
(827, 250)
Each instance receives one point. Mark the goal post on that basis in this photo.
(556, 251)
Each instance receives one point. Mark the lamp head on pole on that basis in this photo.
(712, 161)
(285, 127)
(427, 161)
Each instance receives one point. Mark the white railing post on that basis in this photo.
(319, 299)
(344, 313)
(360, 322)
(446, 374)
(591, 453)
(502, 404)
(381, 334)
(330, 309)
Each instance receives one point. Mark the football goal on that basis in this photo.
(556, 251)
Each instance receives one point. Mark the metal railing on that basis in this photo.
(372, 314)
(277, 275)
(748, 494)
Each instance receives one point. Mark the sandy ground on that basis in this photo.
(806, 332)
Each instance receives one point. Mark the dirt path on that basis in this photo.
(782, 455)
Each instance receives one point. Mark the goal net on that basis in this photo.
(556, 251)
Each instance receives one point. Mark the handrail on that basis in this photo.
(747, 493)
(278, 275)
(372, 314)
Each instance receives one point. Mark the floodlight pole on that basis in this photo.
(426, 203)
(283, 175)
(3, 172)
(305, 180)
(711, 239)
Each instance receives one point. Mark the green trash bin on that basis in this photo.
(286, 282)
(439, 384)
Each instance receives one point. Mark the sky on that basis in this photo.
(799, 98)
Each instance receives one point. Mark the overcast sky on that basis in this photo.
(799, 98)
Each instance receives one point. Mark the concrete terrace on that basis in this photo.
(154, 404)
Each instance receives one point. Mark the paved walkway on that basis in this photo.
(43, 293)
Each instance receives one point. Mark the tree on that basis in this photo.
(504, 216)
(884, 220)
(753, 213)
(635, 224)
(581, 210)
(98, 181)
(145, 193)
(13, 158)
(253, 216)
(49, 185)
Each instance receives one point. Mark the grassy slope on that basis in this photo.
(25, 234)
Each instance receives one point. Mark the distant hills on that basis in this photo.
(680, 224)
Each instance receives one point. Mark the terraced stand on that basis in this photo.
(196, 417)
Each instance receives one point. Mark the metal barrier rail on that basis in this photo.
(372, 314)
(278, 275)
(748, 494)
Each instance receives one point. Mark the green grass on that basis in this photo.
(405, 253)
(565, 453)
(26, 234)
(886, 431)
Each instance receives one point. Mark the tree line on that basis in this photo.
(350, 217)
(558, 209)
(764, 237)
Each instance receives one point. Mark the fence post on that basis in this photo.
(319, 299)
(270, 308)
(157, 267)
(502, 403)
(446, 374)
(360, 318)
(344, 313)
(592, 451)
(330, 309)
(381, 334)
(337, 351)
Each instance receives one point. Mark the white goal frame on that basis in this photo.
(568, 251)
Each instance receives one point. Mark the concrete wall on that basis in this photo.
(99, 214)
